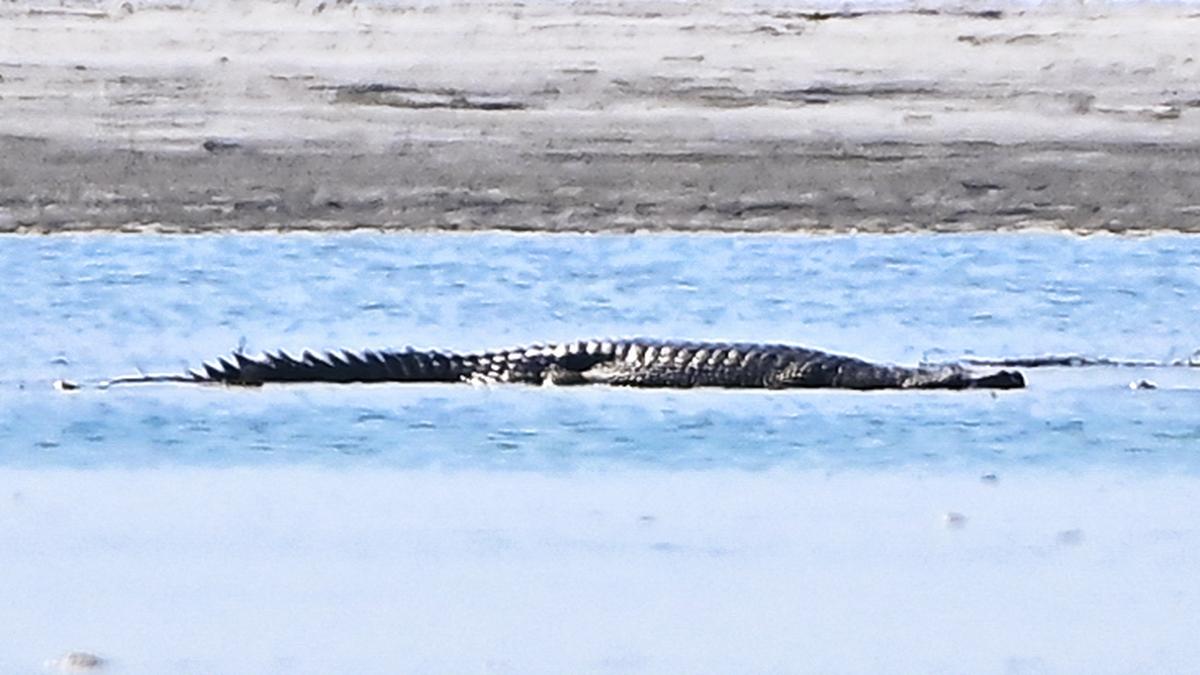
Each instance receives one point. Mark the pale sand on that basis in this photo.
(597, 116)
(306, 570)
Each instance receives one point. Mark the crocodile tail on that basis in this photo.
(368, 366)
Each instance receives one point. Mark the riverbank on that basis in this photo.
(597, 117)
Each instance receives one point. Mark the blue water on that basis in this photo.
(90, 307)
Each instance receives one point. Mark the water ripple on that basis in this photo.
(95, 306)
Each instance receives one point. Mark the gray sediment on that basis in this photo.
(950, 187)
(564, 117)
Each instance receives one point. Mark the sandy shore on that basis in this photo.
(597, 116)
(301, 570)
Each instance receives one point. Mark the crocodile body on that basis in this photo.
(631, 362)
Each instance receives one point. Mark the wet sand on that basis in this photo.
(597, 117)
(301, 570)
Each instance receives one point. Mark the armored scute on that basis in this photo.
(631, 362)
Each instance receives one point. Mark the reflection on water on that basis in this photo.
(530, 428)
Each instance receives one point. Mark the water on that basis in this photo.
(423, 528)
(94, 306)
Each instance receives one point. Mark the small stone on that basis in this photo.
(954, 520)
(989, 478)
(1072, 537)
(215, 145)
(76, 662)
(1143, 384)
(65, 385)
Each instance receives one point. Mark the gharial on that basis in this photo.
(635, 362)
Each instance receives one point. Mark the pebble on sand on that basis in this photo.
(954, 520)
(1072, 537)
(75, 662)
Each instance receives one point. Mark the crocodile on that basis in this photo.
(636, 362)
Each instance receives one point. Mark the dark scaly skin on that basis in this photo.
(633, 362)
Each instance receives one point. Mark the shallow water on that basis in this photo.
(95, 306)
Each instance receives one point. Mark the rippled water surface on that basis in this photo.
(90, 307)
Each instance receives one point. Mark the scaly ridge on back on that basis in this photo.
(634, 362)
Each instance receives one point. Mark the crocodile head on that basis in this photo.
(1004, 379)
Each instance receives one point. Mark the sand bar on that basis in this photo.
(597, 116)
(303, 570)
